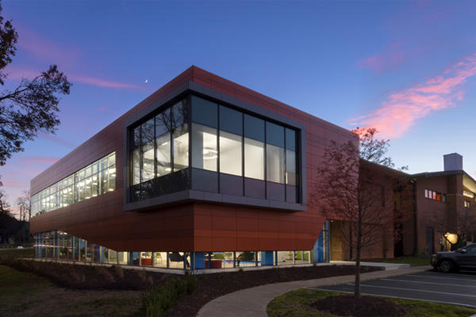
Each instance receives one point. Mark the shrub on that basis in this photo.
(118, 271)
(282, 273)
(157, 300)
(105, 274)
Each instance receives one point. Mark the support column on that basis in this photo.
(327, 242)
(267, 258)
(318, 248)
(40, 245)
(132, 255)
(56, 245)
(198, 261)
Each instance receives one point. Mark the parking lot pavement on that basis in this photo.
(452, 288)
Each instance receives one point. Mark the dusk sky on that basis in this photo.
(405, 67)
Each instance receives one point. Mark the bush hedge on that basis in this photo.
(88, 276)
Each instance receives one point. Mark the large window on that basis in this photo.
(204, 147)
(230, 152)
(434, 195)
(91, 181)
(160, 148)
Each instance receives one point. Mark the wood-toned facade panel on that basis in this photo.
(190, 226)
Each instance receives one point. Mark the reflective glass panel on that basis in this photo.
(136, 166)
(147, 162)
(254, 128)
(231, 120)
(274, 134)
(164, 165)
(148, 130)
(290, 167)
(163, 122)
(181, 148)
(136, 137)
(179, 113)
(204, 112)
(290, 139)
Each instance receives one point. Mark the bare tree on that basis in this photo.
(5, 213)
(359, 188)
(24, 204)
(463, 225)
(31, 107)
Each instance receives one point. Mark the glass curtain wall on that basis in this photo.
(93, 180)
(63, 246)
(160, 152)
(231, 152)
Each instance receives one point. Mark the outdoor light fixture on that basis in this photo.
(451, 237)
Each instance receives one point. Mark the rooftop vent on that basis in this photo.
(453, 162)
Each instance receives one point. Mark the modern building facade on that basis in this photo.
(202, 171)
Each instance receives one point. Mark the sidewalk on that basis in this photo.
(252, 302)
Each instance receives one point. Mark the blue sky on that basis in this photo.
(407, 67)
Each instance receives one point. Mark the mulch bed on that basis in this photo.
(215, 285)
(366, 306)
(210, 286)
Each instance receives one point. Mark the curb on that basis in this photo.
(254, 301)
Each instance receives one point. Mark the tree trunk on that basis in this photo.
(359, 249)
(357, 273)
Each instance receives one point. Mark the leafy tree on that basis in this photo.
(31, 107)
(359, 189)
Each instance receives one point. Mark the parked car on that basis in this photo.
(464, 258)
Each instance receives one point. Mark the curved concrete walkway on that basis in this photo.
(252, 302)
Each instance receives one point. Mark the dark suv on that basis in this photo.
(464, 258)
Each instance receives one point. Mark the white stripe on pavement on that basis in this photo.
(443, 278)
(444, 284)
(410, 298)
(417, 290)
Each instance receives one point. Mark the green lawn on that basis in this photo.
(18, 253)
(295, 304)
(25, 294)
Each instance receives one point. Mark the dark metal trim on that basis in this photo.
(192, 195)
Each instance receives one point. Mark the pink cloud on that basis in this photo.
(45, 49)
(66, 57)
(390, 57)
(103, 83)
(19, 73)
(16, 183)
(399, 112)
(58, 140)
(40, 160)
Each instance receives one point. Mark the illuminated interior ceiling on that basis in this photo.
(469, 184)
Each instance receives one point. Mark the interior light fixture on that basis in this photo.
(209, 154)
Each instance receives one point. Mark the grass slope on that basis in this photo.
(25, 294)
(296, 304)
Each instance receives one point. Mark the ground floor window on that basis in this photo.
(63, 246)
